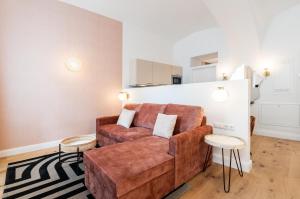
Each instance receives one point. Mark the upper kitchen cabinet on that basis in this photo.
(148, 73)
(176, 71)
(162, 74)
(142, 72)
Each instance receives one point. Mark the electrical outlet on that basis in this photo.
(223, 126)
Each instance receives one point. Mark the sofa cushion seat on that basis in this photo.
(123, 167)
(121, 134)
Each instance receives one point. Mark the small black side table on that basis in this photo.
(225, 142)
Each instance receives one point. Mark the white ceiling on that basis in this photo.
(265, 10)
(175, 19)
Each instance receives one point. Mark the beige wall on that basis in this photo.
(40, 100)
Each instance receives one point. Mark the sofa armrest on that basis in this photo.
(189, 150)
(106, 120)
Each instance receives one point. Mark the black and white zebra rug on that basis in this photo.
(45, 177)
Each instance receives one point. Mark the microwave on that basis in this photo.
(176, 79)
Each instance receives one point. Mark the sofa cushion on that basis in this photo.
(126, 117)
(164, 125)
(121, 134)
(188, 117)
(147, 115)
(124, 167)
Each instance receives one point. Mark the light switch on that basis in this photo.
(229, 127)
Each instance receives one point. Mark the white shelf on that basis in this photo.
(204, 66)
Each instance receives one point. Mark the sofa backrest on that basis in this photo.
(147, 113)
(135, 107)
(188, 117)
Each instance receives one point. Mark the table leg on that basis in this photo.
(229, 177)
(77, 155)
(207, 156)
(59, 152)
(238, 164)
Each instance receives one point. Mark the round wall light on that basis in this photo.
(220, 94)
(73, 64)
(123, 96)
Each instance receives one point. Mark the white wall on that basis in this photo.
(202, 42)
(281, 53)
(138, 43)
(234, 111)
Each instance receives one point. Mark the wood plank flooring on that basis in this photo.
(275, 173)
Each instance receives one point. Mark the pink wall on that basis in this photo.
(40, 100)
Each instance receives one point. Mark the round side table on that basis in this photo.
(229, 143)
(77, 144)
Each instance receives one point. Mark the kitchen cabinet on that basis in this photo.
(176, 70)
(162, 74)
(142, 72)
(149, 73)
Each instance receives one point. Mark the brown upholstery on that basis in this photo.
(116, 170)
(147, 115)
(189, 150)
(135, 107)
(121, 134)
(147, 166)
(188, 117)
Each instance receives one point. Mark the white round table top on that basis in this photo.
(78, 140)
(75, 143)
(224, 141)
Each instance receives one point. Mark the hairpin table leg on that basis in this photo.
(208, 154)
(238, 164)
(59, 152)
(229, 177)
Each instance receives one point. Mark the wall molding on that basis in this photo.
(30, 148)
(282, 134)
(246, 165)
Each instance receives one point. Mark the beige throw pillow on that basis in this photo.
(164, 125)
(126, 118)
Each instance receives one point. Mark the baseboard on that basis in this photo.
(29, 148)
(246, 165)
(282, 134)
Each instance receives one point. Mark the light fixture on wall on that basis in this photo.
(73, 64)
(266, 72)
(224, 77)
(220, 94)
(123, 96)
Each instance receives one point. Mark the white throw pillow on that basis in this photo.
(126, 117)
(164, 125)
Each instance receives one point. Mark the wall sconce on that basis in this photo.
(266, 72)
(123, 96)
(73, 64)
(220, 94)
(224, 77)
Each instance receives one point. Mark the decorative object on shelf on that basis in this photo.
(73, 64)
(123, 96)
(224, 77)
(266, 72)
(220, 94)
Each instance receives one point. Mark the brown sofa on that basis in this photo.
(135, 164)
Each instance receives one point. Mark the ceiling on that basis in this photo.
(175, 19)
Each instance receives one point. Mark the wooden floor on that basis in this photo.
(275, 173)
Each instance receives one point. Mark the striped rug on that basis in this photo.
(45, 177)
